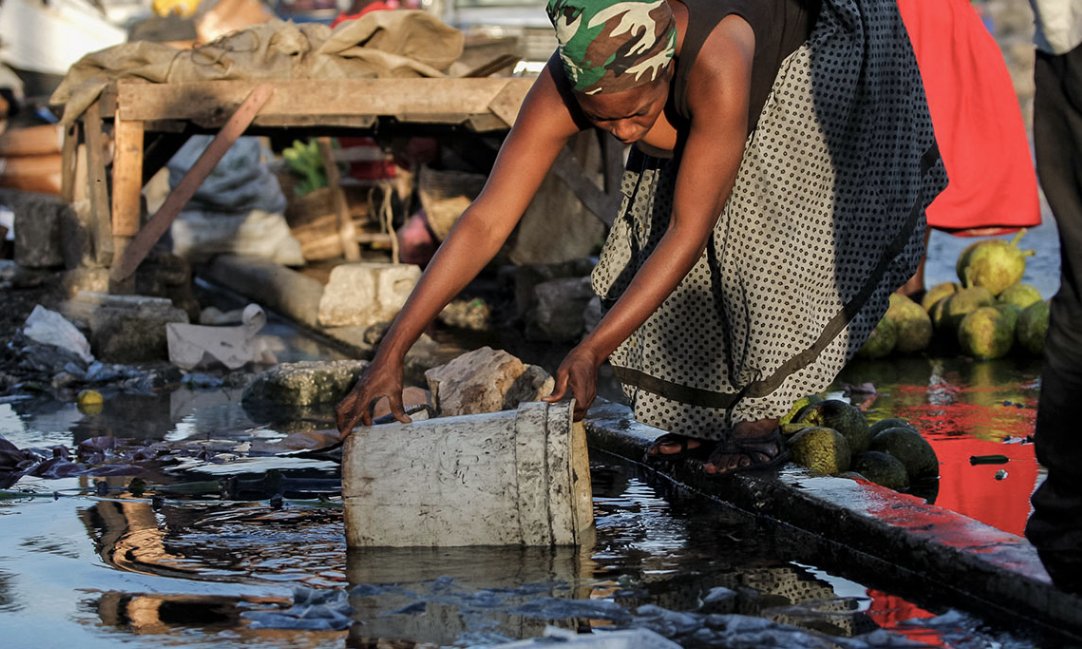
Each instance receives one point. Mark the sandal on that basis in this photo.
(686, 447)
(752, 454)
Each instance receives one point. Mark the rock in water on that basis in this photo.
(1032, 327)
(1020, 295)
(882, 341)
(993, 263)
(938, 293)
(911, 449)
(963, 303)
(986, 333)
(882, 469)
(822, 450)
(842, 417)
(913, 325)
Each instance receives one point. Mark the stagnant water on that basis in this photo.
(87, 562)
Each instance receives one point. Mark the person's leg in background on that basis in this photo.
(1055, 528)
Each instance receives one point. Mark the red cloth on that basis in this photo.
(375, 6)
(977, 121)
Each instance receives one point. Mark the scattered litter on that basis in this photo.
(1001, 474)
(50, 328)
(988, 459)
(191, 345)
(312, 610)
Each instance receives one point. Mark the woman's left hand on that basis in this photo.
(578, 372)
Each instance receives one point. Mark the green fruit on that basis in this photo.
(881, 468)
(938, 293)
(964, 302)
(1032, 327)
(1010, 312)
(1020, 295)
(842, 417)
(993, 263)
(881, 342)
(914, 452)
(822, 450)
(938, 314)
(986, 333)
(883, 424)
(799, 405)
(913, 325)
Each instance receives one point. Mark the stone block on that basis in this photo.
(306, 383)
(124, 328)
(485, 380)
(526, 278)
(39, 229)
(366, 293)
(561, 305)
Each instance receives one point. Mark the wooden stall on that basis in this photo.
(133, 129)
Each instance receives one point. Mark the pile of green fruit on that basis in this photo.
(985, 316)
(832, 437)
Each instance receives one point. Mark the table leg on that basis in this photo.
(98, 186)
(127, 191)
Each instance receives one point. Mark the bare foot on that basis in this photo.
(753, 445)
(671, 444)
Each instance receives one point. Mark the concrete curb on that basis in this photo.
(964, 559)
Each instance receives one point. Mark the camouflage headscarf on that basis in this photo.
(613, 45)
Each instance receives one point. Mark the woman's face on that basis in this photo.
(630, 114)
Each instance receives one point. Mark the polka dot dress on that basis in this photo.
(825, 220)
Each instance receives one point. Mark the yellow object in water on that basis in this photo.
(90, 402)
(182, 8)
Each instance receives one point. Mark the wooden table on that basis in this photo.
(150, 122)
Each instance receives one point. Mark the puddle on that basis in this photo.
(190, 569)
(967, 409)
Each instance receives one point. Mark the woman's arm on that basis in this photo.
(718, 98)
(543, 125)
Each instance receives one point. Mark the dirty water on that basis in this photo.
(81, 570)
(88, 562)
(201, 557)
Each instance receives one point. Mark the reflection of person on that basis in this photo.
(978, 124)
(774, 198)
(1055, 527)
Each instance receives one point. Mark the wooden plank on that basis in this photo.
(507, 102)
(127, 177)
(185, 189)
(98, 187)
(214, 101)
(68, 159)
(346, 231)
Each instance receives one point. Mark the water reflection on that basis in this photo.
(658, 554)
(966, 408)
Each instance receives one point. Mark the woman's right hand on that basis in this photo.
(380, 379)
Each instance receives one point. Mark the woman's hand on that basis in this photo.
(382, 378)
(579, 373)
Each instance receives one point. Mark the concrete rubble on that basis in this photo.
(363, 294)
(486, 380)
